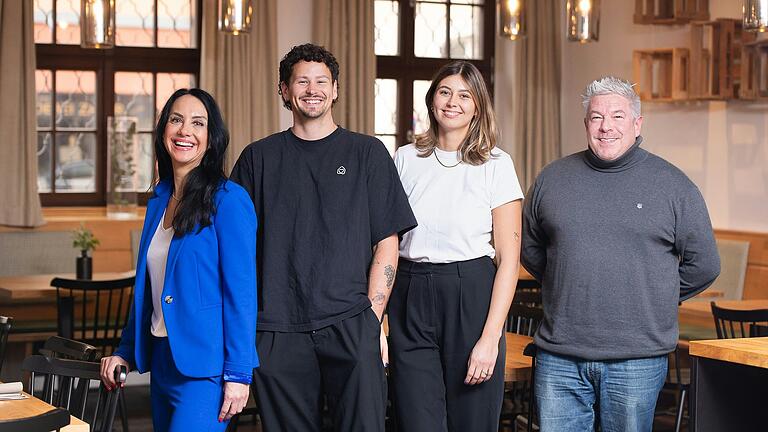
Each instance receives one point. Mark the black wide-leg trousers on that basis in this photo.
(436, 315)
(341, 362)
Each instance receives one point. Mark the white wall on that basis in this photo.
(721, 146)
(294, 20)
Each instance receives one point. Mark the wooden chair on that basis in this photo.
(5, 329)
(525, 320)
(59, 347)
(62, 378)
(93, 312)
(733, 323)
(678, 384)
(48, 421)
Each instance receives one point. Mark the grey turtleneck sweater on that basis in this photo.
(616, 245)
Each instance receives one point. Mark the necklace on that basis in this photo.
(434, 152)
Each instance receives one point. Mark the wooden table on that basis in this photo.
(728, 384)
(32, 406)
(700, 313)
(35, 287)
(518, 366)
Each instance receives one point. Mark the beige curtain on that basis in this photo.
(345, 27)
(241, 73)
(537, 107)
(19, 201)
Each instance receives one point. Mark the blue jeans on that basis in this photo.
(571, 393)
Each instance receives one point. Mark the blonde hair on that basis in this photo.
(483, 133)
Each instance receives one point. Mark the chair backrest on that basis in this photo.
(523, 319)
(135, 241)
(528, 284)
(93, 312)
(36, 252)
(733, 268)
(732, 323)
(758, 330)
(66, 385)
(5, 329)
(59, 347)
(528, 297)
(48, 421)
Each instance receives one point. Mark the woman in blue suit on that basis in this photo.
(193, 320)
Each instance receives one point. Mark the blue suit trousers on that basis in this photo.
(181, 403)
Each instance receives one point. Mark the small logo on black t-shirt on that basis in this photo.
(341, 170)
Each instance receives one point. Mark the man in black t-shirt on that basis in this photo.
(330, 208)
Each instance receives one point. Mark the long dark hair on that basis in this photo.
(196, 206)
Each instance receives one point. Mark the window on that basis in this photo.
(413, 39)
(78, 90)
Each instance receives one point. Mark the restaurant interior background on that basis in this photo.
(722, 145)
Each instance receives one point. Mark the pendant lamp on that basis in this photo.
(97, 23)
(512, 19)
(235, 16)
(583, 20)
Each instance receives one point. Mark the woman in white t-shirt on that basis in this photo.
(459, 267)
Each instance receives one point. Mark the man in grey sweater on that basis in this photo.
(618, 237)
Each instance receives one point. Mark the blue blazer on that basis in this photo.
(209, 295)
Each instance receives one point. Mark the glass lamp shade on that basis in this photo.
(512, 19)
(235, 16)
(97, 23)
(583, 20)
(756, 15)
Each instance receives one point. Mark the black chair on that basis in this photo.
(522, 319)
(527, 297)
(48, 421)
(758, 330)
(93, 312)
(5, 329)
(678, 384)
(59, 347)
(62, 388)
(733, 323)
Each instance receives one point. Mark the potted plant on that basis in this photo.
(83, 239)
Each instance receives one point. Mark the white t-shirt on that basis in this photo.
(453, 205)
(157, 256)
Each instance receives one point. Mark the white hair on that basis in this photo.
(612, 85)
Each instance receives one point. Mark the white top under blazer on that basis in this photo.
(453, 205)
(157, 257)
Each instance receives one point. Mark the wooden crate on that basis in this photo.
(749, 67)
(670, 11)
(716, 58)
(661, 74)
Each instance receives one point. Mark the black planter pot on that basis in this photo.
(84, 266)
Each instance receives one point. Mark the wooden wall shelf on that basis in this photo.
(716, 58)
(670, 12)
(661, 74)
(754, 70)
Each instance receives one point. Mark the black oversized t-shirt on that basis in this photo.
(321, 205)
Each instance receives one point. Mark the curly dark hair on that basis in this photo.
(310, 53)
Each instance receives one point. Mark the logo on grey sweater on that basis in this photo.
(639, 205)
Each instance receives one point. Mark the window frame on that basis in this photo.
(106, 62)
(407, 68)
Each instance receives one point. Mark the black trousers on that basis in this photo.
(341, 362)
(436, 315)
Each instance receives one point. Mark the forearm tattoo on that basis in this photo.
(389, 272)
(379, 298)
(517, 236)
